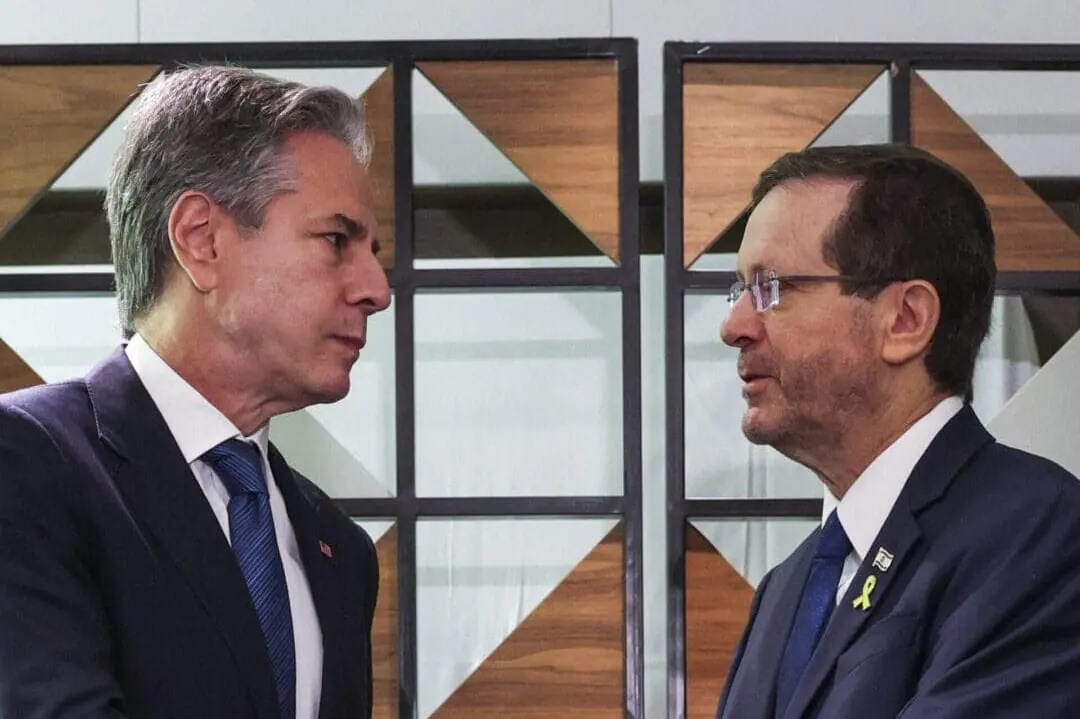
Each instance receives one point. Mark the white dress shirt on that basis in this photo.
(197, 426)
(866, 505)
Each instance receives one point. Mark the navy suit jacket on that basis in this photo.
(976, 617)
(119, 593)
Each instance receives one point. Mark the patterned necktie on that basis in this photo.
(251, 528)
(815, 608)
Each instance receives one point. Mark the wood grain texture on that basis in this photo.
(738, 119)
(14, 372)
(384, 630)
(565, 659)
(717, 608)
(1029, 234)
(48, 116)
(557, 121)
(379, 107)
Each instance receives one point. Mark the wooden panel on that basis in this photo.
(717, 607)
(379, 105)
(565, 659)
(384, 630)
(48, 117)
(1030, 236)
(14, 372)
(557, 121)
(738, 119)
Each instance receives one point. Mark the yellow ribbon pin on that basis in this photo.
(863, 600)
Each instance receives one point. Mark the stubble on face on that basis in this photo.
(818, 390)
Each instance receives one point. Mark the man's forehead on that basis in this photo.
(787, 228)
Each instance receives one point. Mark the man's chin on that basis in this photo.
(758, 429)
(331, 390)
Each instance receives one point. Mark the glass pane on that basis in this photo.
(479, 580)
(472, 201)
(754, 546)
(518, 394)
(1028, 117)
(865, 121)
(60, 336)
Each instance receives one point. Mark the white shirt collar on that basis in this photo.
(867, 503)
(195, 424)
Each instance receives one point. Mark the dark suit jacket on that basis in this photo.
(978, 615)
(119, 593)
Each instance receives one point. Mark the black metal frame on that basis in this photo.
(900, 60)
(405, 280)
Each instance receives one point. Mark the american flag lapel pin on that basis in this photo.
(325, 549)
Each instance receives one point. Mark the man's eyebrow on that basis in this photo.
(351, 226)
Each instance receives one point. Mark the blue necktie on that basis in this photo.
(815, 608)
(251, 528)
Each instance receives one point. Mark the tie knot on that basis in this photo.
(833, 543)
(239, 465)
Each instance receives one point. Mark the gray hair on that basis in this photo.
(217, 130)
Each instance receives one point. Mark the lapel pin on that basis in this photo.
(325, 549)
(863, 600)
(883, 560)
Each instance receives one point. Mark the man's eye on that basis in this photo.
(337, 239)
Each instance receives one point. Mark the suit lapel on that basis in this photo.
(953, 447)
(164, 496)
(325, 593)
(753, 690)
(897, 538)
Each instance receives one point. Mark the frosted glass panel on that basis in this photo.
(478, 580)
(755, 546)
(1031, 119)
(518, 394)
(60, 336)
(376, 528)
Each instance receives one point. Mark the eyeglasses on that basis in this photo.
(765, 289)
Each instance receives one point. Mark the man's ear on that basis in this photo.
(195, 224)
(912, 311)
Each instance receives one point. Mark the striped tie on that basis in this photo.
(251, 528)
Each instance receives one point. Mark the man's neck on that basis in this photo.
(205, 364)
(863, 441)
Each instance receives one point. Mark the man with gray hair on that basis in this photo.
(158, 557)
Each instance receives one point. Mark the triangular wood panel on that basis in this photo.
(565, 659)
(14, 372)
(557, 121)
(717, 608)
(738, 119)
(48, 116)
(384, 630)
(1030, 236)
(379, 108)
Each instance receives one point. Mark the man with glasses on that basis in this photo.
(945, 580)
